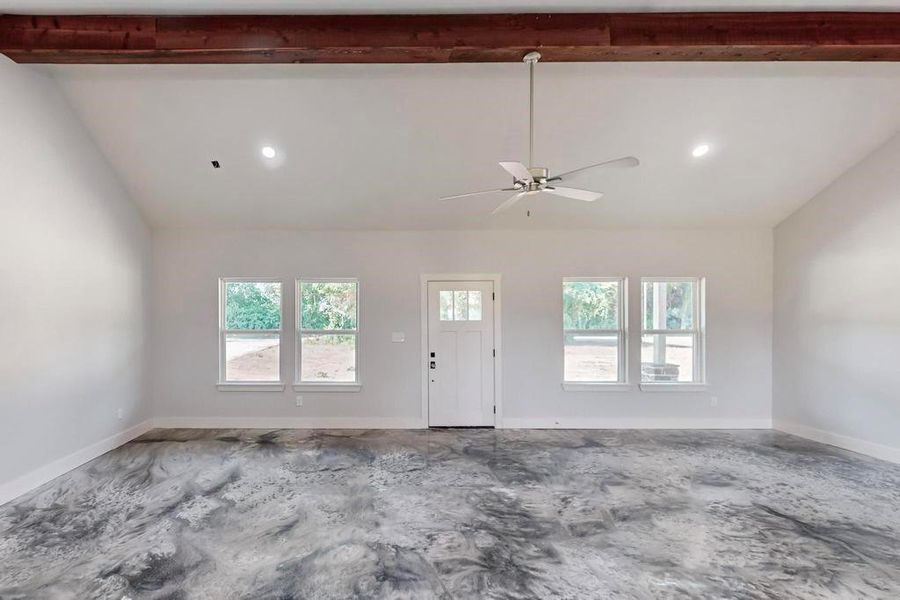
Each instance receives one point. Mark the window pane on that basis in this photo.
(591, 305)
(252, 357)
(252, 305)
(669, 304)
(327, 358)
(591, 357)
(474, 305)
(328, 304)
(460, 306)
(667, 358)
(446, 301)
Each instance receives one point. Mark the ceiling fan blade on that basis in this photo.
(518, 171)
(466, 195)
(566, 192)
(619, 163)
(508, 202)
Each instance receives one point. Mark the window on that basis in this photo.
(327, 332)
(672, 330)
(460, 305)
(593, 331)
(249, 331)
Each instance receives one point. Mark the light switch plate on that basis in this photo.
(398, 337)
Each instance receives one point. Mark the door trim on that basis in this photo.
(495, 278)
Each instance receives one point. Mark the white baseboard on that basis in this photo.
(881, 451)
(38, 477)
(288, 423)
(414, 423)
(635, 423)
(29, 481)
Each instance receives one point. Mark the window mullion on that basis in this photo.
(670, 331)
(597, 332)
(251, 331)
(329, 331)
(695, 342)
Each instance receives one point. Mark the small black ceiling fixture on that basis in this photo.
(216, 164)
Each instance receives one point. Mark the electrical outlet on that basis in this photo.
(120, 413)
(714, 401)
(299, 401)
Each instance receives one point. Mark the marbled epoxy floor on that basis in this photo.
(459, 514)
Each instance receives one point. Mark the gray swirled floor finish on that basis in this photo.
(459, 514)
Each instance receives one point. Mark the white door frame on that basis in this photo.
(423, 351)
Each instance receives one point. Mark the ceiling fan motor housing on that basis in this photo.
(538, 173)
(539, 179)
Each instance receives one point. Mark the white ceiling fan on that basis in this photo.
(535, 180)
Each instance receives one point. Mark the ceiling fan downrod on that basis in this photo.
(531, 59)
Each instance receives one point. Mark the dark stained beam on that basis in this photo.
(566, 37)
(769, 36)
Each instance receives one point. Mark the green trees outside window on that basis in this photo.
(590, 305)
(252, 305)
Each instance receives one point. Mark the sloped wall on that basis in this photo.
(74, 275)
(837, 311)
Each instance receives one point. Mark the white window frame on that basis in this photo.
(621, 383)
(698, 379)
(324, 386)
(248, 386)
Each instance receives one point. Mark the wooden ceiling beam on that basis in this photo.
(564, 37)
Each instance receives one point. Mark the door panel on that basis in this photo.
(460, 353)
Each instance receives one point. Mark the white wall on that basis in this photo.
(837, 311)
(737, 263)
(74, 271)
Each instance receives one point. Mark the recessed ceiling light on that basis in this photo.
(700, 150)
(268, 151)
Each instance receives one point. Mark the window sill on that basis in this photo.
(250, 387)
(327, 387)
(674, 387)
(596, 387)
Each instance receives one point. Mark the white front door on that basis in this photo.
(460, 353)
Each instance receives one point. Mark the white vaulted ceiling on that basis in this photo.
(373, 147)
